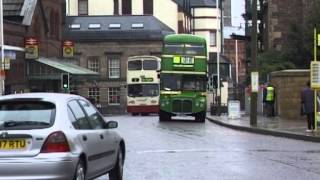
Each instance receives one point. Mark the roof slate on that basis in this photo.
(12, 7)
(152, 29)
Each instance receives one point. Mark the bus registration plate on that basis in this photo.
(187, 60)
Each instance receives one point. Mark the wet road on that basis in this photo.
(183, 150)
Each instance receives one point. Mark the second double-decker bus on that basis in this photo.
(183, 77)
(143, 84)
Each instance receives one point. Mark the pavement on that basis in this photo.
(274, 126)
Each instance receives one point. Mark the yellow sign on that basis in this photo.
(315, 74)
(68, 49)
(8, 144)
(176, 60)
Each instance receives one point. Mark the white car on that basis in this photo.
(57, 136)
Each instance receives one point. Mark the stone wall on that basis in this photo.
(101, 50)
(288, 84)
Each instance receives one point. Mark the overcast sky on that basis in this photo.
(237, 9)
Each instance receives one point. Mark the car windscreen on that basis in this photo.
(18, 115)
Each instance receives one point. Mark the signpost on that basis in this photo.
(2, 72)
(315, 75)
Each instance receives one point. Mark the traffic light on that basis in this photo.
(65, 81)
(213, 82)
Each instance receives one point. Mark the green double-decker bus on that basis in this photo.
(183, 77)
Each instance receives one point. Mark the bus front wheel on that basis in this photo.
(200, 117)
(164, 116)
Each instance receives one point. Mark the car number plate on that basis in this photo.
(12, 144)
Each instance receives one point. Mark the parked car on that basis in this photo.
(57, 136)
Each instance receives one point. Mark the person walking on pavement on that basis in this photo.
(307, 101)
(268, 99)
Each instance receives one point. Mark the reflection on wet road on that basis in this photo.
(185, 150)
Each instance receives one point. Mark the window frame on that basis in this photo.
(94, 92)
(114, 69)
(118, 95)
(93, 66)
(211, 43)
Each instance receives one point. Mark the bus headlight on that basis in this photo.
(197, 104)
(163, 105)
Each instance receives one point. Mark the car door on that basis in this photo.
(107, 142)
(85, 135)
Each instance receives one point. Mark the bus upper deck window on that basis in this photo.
(150, 65)
(135, 65)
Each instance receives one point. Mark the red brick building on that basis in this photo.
(41, 20)
(235, 51)
(23, 19)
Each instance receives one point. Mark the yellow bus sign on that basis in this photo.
(315, 74)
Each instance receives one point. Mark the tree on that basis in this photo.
(270, 61)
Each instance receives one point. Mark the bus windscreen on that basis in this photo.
(179, 82)
(143, 90)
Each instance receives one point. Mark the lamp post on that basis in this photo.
(2, 50)
(254, 94)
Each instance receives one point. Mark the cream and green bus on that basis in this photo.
(143, 84)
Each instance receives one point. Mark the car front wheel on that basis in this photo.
(117, 172)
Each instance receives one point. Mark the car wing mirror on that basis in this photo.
(111, 124)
